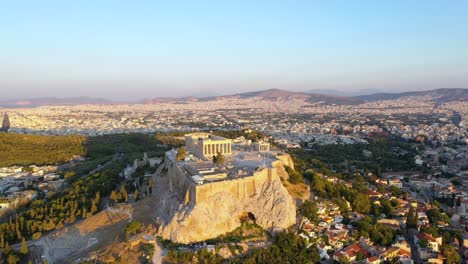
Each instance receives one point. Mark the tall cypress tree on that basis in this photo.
(412, 218)
(6, 123)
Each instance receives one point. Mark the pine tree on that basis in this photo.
(12, 259)
(7, 247)
(24, 247)
(115, 196)
(124, 193)
(97, 198)
(93, 208)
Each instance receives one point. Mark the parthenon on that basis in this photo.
(205, 145)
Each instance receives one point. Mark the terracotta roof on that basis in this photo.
(403, 252)
(425, 236)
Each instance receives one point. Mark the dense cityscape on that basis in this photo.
(233, 132)
(377, 182)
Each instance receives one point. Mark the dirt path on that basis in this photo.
(159, 253)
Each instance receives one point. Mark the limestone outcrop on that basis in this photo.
(219, 212)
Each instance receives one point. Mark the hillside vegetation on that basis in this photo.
(25, 149)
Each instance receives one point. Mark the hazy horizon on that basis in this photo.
(134, 50)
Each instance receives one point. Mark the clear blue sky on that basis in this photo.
(134, 49)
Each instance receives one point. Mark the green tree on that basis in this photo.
(387, 207)
(69, 175)
(132, 228)
(309, 209)
(13, 259)
(361, 203)
(181, 153)
(123, 193)
(6, 123)
(423, 243)
(294, 176)
(219, 158)
(286, 248)
(359, 256)
(24, 247)
(94, 208)
(411, 218)
(451, 255)
(115, 196)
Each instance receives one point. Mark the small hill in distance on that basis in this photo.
(270, 94)
(442, 95)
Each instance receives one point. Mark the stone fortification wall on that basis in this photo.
(286, 159)
(240, 188)
(213, 209)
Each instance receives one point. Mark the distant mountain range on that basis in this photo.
(438, 95)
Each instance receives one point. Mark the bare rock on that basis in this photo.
(273, 209)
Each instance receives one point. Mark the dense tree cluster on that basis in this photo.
(377, 233)
(253, 135)
(286, 248)
(81, 197)
(78, 201)
(132, 228)
(24, 149)
(325, 189)
(133, 145)
(388, 154)
(294, 176)
(309, 209)
(173, 139)
(186, 257)
(384, 206)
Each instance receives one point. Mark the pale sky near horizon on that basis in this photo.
(127, 50)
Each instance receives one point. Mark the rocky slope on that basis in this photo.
(272, 206)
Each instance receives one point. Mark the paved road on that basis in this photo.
(414, 250)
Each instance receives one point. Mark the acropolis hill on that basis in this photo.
(205, 200)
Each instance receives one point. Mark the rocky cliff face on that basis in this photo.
(273, 208)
